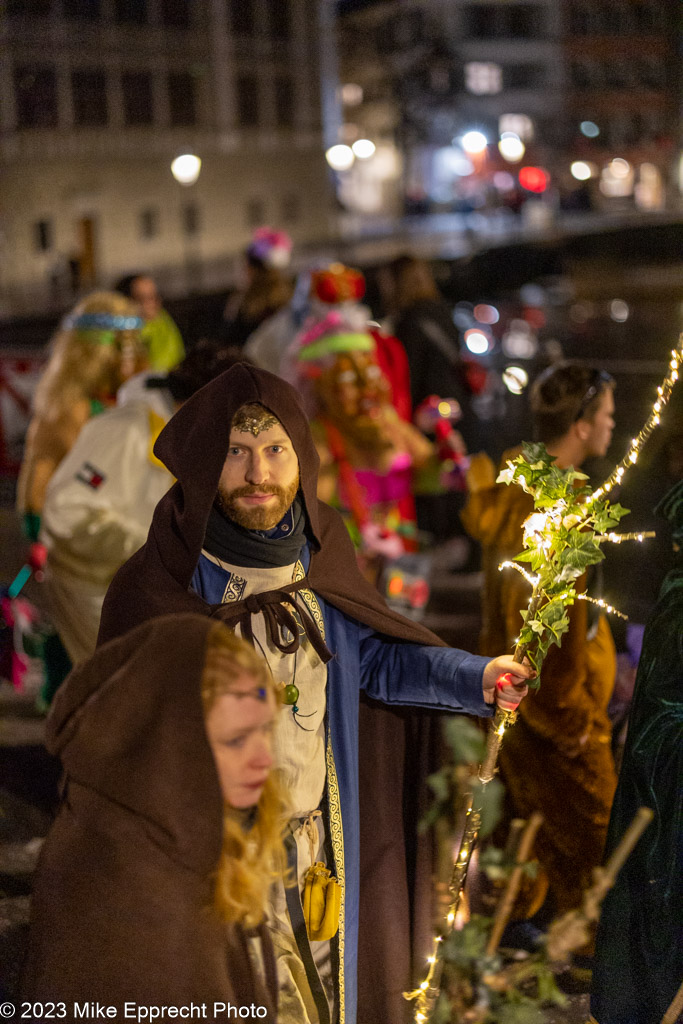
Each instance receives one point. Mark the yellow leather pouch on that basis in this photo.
(321, 903)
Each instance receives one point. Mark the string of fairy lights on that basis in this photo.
(426, 994)
(652, 422)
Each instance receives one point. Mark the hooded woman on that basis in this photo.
(151, 884)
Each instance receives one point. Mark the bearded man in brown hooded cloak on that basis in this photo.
(242, 536)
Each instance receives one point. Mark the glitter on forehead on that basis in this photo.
(253, 419)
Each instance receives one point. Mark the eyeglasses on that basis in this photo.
(600, 379)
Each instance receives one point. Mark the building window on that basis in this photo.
(256, 213)
(81, 10)
(523, 76)
(512, 21)
(615, 75)
(89, 92)
(645, 17)
(579, 20)
(149, 222)
(247, 101)
(175, 13)
(130, 12)
(284, 101)
(43, 235)
(190, 219)
(35, 90)
(483, 79)
(138, 105)
(242, 17)
(279, 16)
(182, 99)
(28, 8)
(652, 73)
(520, 124)
(581, 76)
(290, 208)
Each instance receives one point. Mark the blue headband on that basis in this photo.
(103, 322)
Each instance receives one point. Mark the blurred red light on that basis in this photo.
(534, 179)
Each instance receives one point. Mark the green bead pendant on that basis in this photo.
(291, 694)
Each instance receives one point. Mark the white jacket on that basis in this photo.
(97, 512)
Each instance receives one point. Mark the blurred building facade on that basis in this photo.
(579, 83)
(97, 97)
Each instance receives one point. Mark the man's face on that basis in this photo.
(599, 435)
(260, 477)
(144, 292)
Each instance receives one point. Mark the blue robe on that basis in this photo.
(387, 670)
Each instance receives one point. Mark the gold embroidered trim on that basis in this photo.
(337, 840)
(334, 805)
(310, 599)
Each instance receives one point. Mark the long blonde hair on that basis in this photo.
(250, 860)
(89, 363)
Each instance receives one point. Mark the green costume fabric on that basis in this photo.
(163, 341)
(639, 948)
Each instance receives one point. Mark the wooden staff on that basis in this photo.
(507, 902)
(676, 1008)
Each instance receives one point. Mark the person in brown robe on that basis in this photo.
(150, 885)
(557, 759)
(350, 634)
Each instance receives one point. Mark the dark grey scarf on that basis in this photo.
(257, 549)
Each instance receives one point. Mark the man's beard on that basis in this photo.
(257, 518)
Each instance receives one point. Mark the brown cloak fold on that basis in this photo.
(155, 581)
(123, 902)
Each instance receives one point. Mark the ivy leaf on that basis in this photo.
(465, 740)
(519, 1013)
(439, 785)
(489, 799)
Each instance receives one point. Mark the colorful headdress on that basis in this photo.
(271, 248)
(333, 334)
(337, 283)
(101, 328)
(103, 322)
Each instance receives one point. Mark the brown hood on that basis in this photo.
(193, 446)
(129, 726)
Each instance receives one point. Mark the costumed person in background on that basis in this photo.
(100, 501)
(242, 537)
(368, 454)
(319, 291)
(160, 333)
(639, 946)
(268, 287)
(422, 320)
(97, 348)
(557, 759)
(151, 886)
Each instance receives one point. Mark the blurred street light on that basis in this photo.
(511, 147)
(534, 179)
(185, 168)
(477, 342)
(589, 129)
(515, 379)
(363, 149)
(340, 157)
(474, 142)
(581, 170)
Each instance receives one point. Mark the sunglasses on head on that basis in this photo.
(599, 380)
